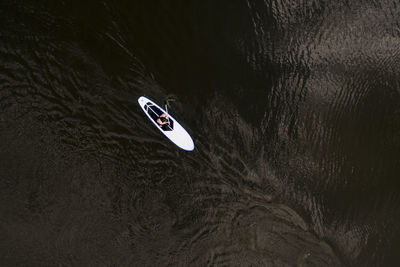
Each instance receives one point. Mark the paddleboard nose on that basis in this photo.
(141, 100)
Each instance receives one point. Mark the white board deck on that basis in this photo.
(177, 134)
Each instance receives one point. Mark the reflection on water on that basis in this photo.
(293, 107)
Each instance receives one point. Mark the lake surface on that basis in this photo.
(294, 108)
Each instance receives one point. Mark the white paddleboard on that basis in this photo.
(173, 131)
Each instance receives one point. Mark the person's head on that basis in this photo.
(163, 119)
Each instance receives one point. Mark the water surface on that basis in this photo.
(294, 108)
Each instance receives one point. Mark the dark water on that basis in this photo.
(294, 107)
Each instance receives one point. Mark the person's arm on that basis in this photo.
(160, 122)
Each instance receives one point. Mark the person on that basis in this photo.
(163, 120)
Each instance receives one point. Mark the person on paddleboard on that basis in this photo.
(163, 120)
